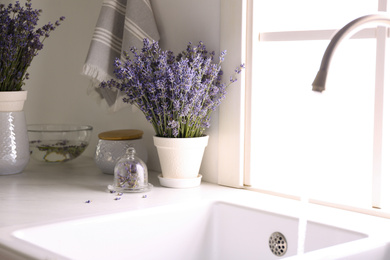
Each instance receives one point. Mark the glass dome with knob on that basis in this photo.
(130, 174)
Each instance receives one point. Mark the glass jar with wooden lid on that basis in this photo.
(112, 146)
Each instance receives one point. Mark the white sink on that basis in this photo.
(203, 230)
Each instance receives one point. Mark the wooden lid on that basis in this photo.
(125, 134)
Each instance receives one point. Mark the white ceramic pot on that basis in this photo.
(180, 158)
(14, 145)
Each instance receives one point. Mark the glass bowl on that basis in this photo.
(58, 143)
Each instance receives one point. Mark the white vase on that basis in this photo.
(12, 101)
(180, 158)
(14, 145)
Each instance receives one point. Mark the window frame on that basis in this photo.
(237, 36)
(231, 151)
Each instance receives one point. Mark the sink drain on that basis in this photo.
(277, 244)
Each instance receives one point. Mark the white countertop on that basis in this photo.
(53, 192)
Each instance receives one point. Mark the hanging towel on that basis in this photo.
(121, 25)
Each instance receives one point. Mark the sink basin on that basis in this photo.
(203, 230)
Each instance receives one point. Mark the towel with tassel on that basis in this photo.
(121, 24)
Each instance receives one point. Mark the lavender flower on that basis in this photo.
(20, 42)
(177, 94)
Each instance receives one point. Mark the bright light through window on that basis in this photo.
(305, 143)
(302, 139)
(296, 15)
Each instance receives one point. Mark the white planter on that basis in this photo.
(14, 145)
(180, 158)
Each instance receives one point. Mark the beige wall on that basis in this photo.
(58, 91)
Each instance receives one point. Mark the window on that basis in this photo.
(278, 135)
(304, 143)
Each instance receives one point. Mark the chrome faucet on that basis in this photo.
(319, 86)
(347, 30)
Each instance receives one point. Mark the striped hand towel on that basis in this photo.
(121, 25)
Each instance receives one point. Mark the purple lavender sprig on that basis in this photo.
(20, 42)
(177, 94)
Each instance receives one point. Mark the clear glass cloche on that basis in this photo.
(130, 174)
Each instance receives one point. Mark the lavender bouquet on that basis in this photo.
(177, 94)
(20, 42)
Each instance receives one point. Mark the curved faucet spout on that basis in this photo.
(347, 30)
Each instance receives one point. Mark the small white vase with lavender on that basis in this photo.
(20, 42)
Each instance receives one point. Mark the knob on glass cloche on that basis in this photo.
(130, 174)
